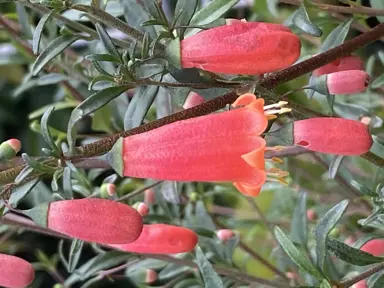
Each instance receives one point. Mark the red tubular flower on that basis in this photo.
(95, 220)
(162, 239)
(15, 272)
(347, 82)
(342, 64)
(333, 136)
(218, 147)
(245, 48)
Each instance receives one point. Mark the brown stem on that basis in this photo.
(269, 82)
(354, 280)
(340, 9)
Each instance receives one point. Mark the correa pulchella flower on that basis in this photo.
(95, 220)
(161, 239)
(342, 64)
(9, 149)
(15, 272)
(347, 82)
(243, 48)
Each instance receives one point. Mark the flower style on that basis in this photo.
(342, 64)
(95, 220)
(333, 136)
(161, 239)
(220, 147)
(244, 48)
(15, 272)
(347, 82)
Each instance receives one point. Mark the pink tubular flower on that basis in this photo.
(245, 48)
(193, 99)
(149, 196)
(347, 82)
(217, 147)
(162, 239)
(151, 276)
(15, 272)
(333, 136)
(374, 247)
(143, 209)
(342, 64)
(95, 220)
(225, 234)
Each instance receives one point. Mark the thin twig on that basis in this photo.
(138, 191)
(354, 280)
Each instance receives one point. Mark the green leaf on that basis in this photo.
(171, 271)
(39, 31)
(101, 120)
(23, 18)
(351, 255)
(89, 105)
(106, 40)
(184, 11)
(376, 280)
(325, 284)
(378, 146)
(301, 20)
(355, 112)
(96, 264)
(102, 57)
(281, 136)
(335, 165)
(336, 37)
(56, 106)
(74, 254)
(378, 82)
(45, 130)
(378, 4)
(296, 256)
(203, 218)
(53, 49)
(299, 225)
(325, 225)
(23, 174)
(213, 11)
(21, 191)
(67, 183)
(36, 165)
(39, 214)
(210, 277)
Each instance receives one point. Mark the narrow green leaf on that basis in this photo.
(325, 225)
(102, 57)
(325, 284)
(106, 40)
(355, 112)
(45, 130)
(376, 280)
(36, 165)
(301, 20)
(351, 255)
(378, 4)
(335, 165)
(21, 191)
(299, 226)
(53, 49)
(23, 174)
(39, 31)
(23, 18)
(74, 254)
(39, 214)
(57, 106)
(281, 136)
(378, 82)
(67, 183)
(145, 46)
(55, 178)
(203, 218)
(89, 105)
(296, 256)
(210, 277)
(213, 11)
(184, 11)
(336, 37)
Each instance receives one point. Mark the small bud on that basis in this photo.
(291, 275)
(366, 120)
(224, 234)
(193, 99)
(311, 215)
(149, 196)
(107, 190)
(15, 272)
(58, 285)
(335, 232)
(194, 197)
(9, 149)
(347, 82)
(151, 276)
(143, 209)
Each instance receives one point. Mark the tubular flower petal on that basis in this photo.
(193, 99)
(218, 147)
(95, 220)
(162, 239)
(347, 82)
(15, 272)
(244, 48)
(342, 64)
(333, 136)
(225, 234)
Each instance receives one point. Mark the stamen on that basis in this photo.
(275, 148)
(278, 111)
(276, 105)
(278, 180)
(277, 160)
(271, 117)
